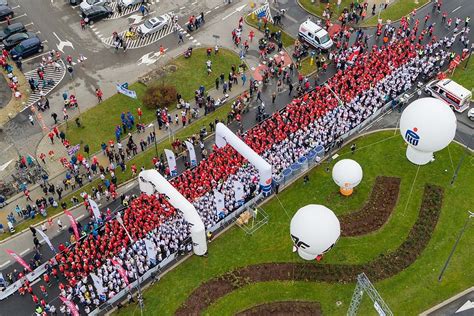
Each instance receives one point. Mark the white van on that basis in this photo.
(456, 96)
(314, 35)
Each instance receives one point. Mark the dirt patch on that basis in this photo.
(376, 211)
(385, 266)
(285, 308)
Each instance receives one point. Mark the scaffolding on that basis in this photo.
(253, 218)
(364, 285)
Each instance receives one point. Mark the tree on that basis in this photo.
(159, 96)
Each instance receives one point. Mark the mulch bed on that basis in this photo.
(385, 266)
(376, 211)
(285, 308)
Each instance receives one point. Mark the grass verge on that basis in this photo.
(394, 11)
(465, 76)
(287, 39)
(381, 153)
(14, 106)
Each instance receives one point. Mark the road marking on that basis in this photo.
(62, 44)
(182, 8)
(15, 7)
(235, 11)
(79, 217)
(466, 306)
(194, 3)
(5, 264)
(150, 58)
(45, 41)
(457, 9)
(17, 17)
(129, 186)
(36, 56)
(25, 251)
(29, 24)
(207, 12)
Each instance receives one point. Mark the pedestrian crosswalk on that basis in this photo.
(51, 75)
(125, 11)
(146, 40)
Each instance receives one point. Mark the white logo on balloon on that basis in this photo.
(314, 230)
(427, 125)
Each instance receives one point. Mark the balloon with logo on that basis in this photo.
(347, 174)
(314, 230)
(427, 125)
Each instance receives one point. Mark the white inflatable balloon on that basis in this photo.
(427, 125)
(314, 230)
(347, 174)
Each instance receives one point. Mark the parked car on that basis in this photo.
(87, 4)
(129, 3)
(153, 25)
(4, 2)
(6, 11)
(15, 39)
(27, 48)
(470, 114)
(453, 94)
(12, 29)
(97, 13)
(75, 2)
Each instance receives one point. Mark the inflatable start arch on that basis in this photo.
(152, 181)
(225, 136)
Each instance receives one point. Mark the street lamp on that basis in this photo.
(119, 219)
(470, 215)
(154, 138)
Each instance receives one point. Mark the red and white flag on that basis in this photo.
(70, 305)
(18, 259)
(73, 224)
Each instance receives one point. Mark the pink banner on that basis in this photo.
(70, 305)
(121, 270)
(18, 259)
(73, 224)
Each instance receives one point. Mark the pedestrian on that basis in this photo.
(65, 115)
(8, 19)
(274, 95)
(180, 38)
(83, 24)
(36, 243)
(60, 225)
(70, 70)
(243, 77)
(55, 117)
(251, 35)
(33, 231)
(99, 94)
(259, 96)
(353, 148)
(31, 119)
(305, 179)
(217, 83)
(162, 50)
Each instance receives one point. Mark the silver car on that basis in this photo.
(153, 25)
(87, 4)
(129, 3)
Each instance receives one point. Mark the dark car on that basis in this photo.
(27, 48)
(73, 2)
(5, 11)
(4, 2)
(15, 39)
(12, 29)
(96, 13)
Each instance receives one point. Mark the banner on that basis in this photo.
(122, 88)
(122, 271)
(18, 259)
(219, 201)
(192, 154)
(73, 150)
(239, 192)
(98, 284)
(171, 162)
(73, 224)
(70, 305)
(151, 251)
(95, 209)
(46, 239)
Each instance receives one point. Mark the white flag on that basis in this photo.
(151, 250)
(46, 239)
(192, 154)
(219, 201)
(98, 284)
(171, 162)
(95, 209)
(239, 191)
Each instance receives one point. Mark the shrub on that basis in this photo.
(159, 96)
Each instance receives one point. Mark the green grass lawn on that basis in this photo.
(394, 11)
(287, 39)
(99, 122)
(317, 7)
(465, 77)
(379, 154)
(306, 67)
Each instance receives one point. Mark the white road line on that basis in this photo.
(191, 38)
(45, 41)
(5, 264)
(36, 56)
(15, 7)
(25, 251)
(129, 186)
(217, 7)
(207, 12)
(39, 32)
(29, 24)
(17, 17)
(194, 3)
(182, 8)
(79, 217)
(457, 9)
